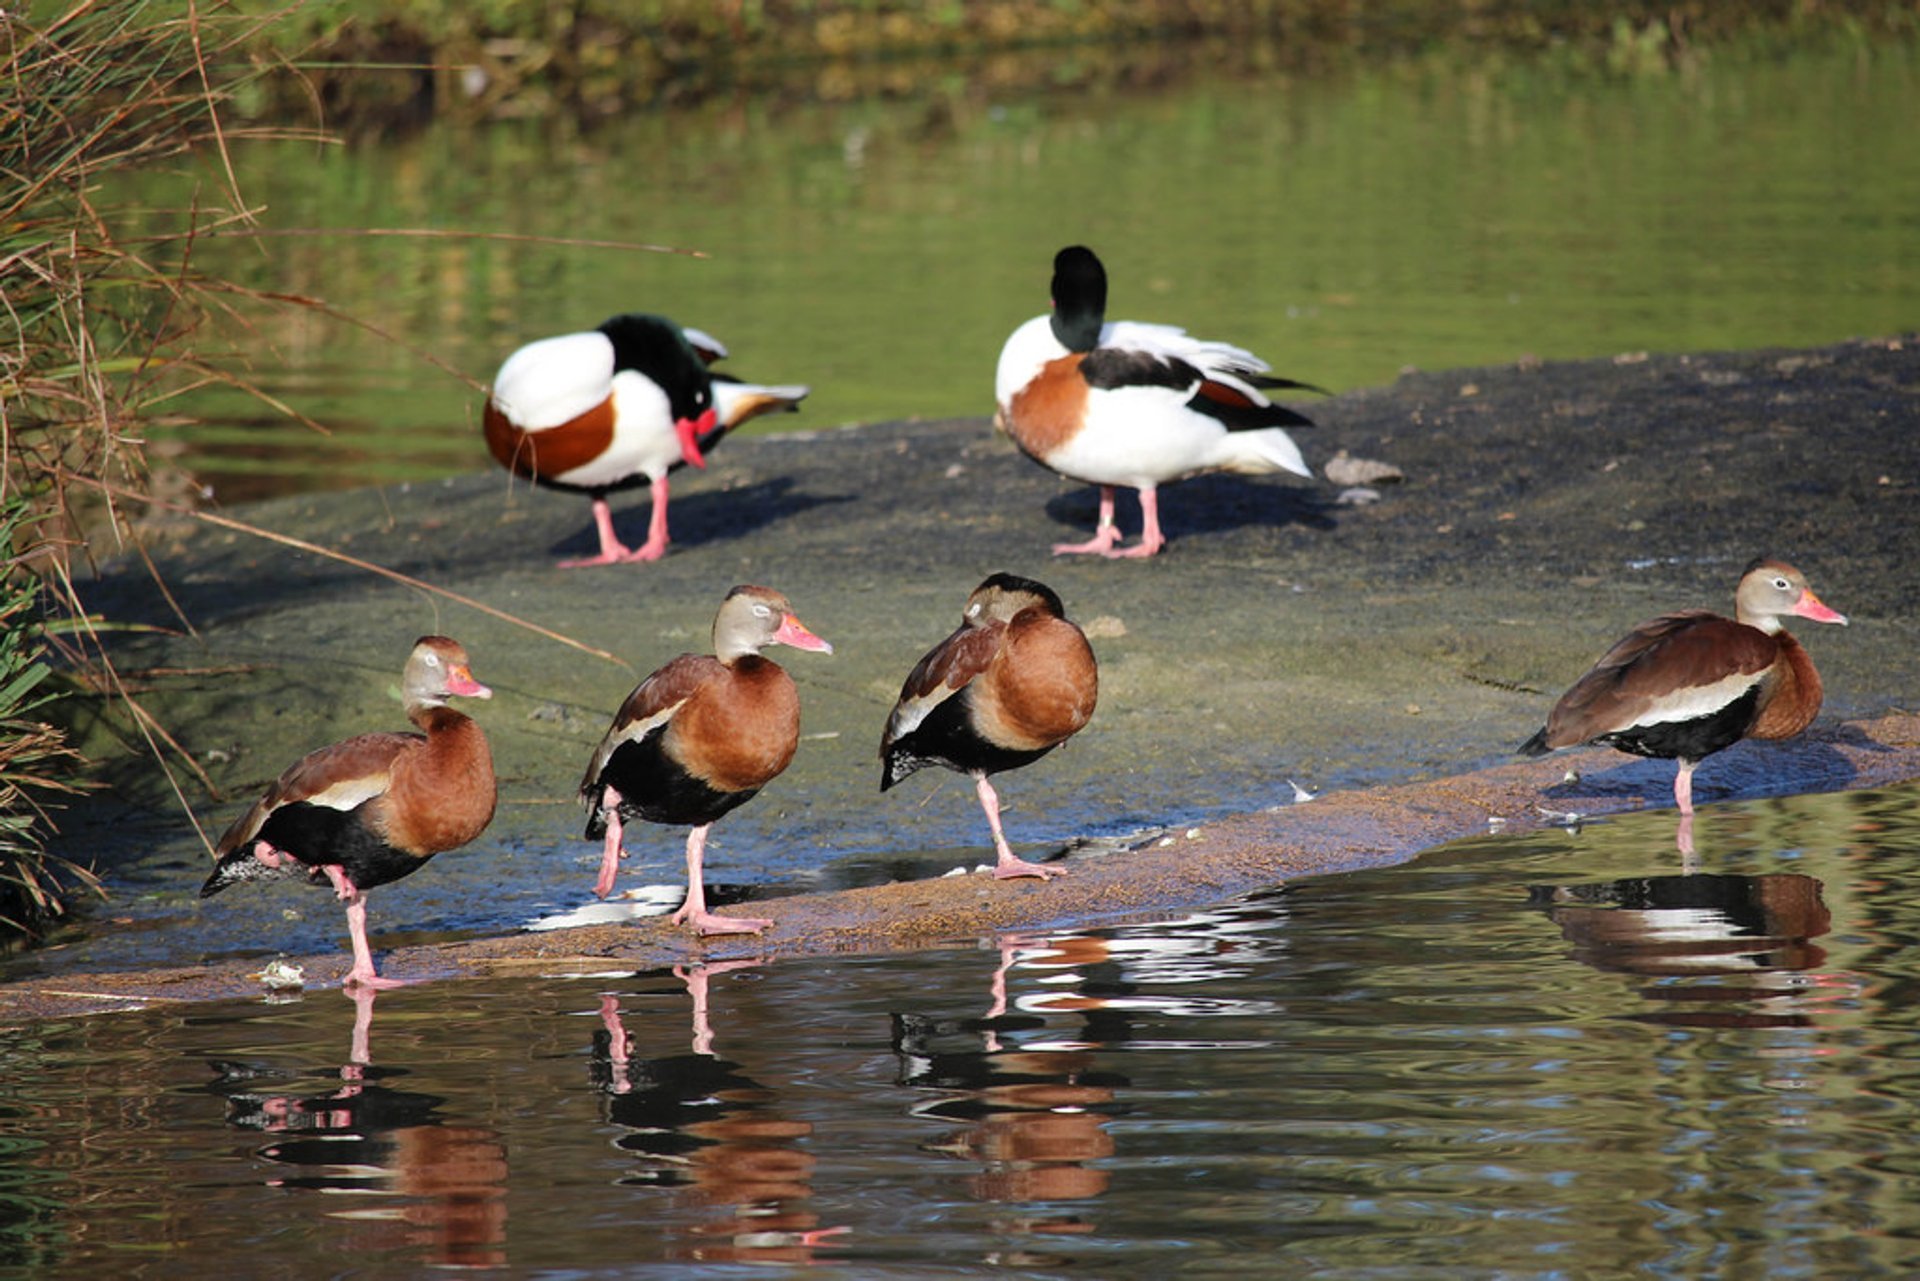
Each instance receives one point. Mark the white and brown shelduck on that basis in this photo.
(616, 407)
(1135, 404)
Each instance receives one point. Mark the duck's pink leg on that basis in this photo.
(267, 856)
(610, 853)
(1008, 865)
(343, 887)
(1683, 836)
(360, 1055)
(1683, 787)
(656, 545)
(363, 974)
(695, 977)
(1151, 539)
(619, 1047)
(611, 548)
(1105, 532)
(694, 911)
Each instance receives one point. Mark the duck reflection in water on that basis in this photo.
(1033, 1111)
(698, 1124)
(448, 1182)
(1753, 932)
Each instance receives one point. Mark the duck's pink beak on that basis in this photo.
(690, 430)
(794, 632)
(1809, 606)
(460, 681)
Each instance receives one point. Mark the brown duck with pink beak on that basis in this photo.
(698, 738)
(1688, 684)
(374, 808)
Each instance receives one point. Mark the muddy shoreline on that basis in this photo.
(1389, 653)
(1175, 872)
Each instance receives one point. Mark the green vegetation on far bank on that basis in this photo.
(594, 57)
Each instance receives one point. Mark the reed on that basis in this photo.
(37, 766)
(101, 310)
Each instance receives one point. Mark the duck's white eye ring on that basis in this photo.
(762, 611)
(1782, 584)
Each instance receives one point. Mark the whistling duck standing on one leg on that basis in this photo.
(699, 737)
(374, 808)
(1685, 685)
(616, 407)
(1016, 680)
(1135, 404)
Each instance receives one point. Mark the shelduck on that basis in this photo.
(1135, 404)
(374, 808)
(1014, 681)
(616, 407)
(1685, 685)
(698, 738)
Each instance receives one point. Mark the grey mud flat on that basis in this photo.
(1389, 653)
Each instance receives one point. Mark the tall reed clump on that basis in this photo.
(99, 308)
(36, 764)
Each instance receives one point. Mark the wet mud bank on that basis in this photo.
(1170, 872)
(1387, 653)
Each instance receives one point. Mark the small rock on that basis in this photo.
(1357, 496)
(280, 976)
(1105, 627)
(1344, 469)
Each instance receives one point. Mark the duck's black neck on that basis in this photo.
(1079, 298)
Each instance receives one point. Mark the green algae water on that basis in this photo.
(1531, 1056)
(1459, 207)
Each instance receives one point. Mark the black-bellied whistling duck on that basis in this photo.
(616, 407)
(374, 808)
(1685, 685)
(1135, 404)
(699, 737)
(1013, 682)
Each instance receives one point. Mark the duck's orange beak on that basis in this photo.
(794, 632)
(460, 681)
(1809, 606)
(690, 430)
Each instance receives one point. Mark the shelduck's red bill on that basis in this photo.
(1809, 606)
(689, 430)
(794, 632)
(460, 681)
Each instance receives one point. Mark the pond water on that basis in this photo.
(1344, 217)
(1542, 1056)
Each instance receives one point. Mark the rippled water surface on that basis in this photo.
(1541, 1056)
